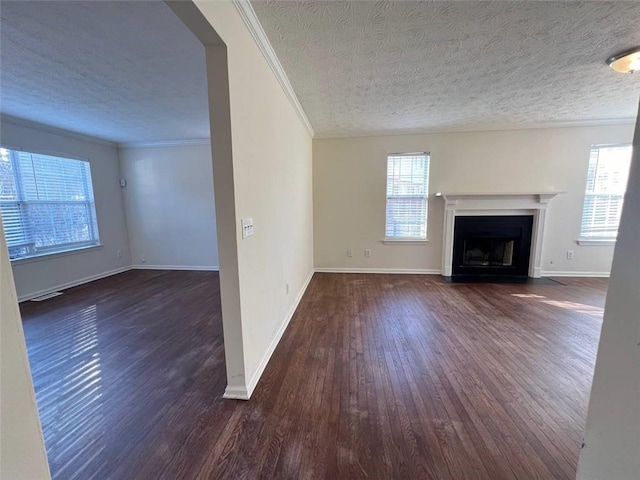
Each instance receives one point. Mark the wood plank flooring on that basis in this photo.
(377, 376)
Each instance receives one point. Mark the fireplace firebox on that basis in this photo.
(497, 245)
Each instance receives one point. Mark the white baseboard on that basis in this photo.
(75, 283)
(416, 271)
(575, 274)
(236, 393)
(401, 271)
(206, 268)
(242, 393)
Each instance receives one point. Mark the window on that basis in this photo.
(606, 184)
(407, 196)
(46, 203)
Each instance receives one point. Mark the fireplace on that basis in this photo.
(492, 245)
(529, 204)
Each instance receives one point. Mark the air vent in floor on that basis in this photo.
(46, 297)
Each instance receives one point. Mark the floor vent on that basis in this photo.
(46, 297)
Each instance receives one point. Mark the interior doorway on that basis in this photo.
(119, 363)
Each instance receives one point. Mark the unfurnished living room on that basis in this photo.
(320, 240)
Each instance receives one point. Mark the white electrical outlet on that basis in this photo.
(569, 254)
(143, 259)
(349, 253)
(119, 253)
(367, 252)
(286, 288)
(247, 227)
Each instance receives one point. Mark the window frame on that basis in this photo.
(41, 253)
(594, 239)
(406, 240)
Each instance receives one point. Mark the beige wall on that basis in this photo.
(612, 438)
(349, 191)
(22, 452)
(170, 209)
(272, 183)
(46, 274)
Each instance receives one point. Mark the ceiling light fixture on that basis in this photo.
(626, 62)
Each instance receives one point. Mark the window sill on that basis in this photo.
(407, 241)
(596, 241)
(50, 255)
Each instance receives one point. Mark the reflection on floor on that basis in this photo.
(118, 362)
(377, 376)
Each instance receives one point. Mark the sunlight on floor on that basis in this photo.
(577, 307)
(75, 396)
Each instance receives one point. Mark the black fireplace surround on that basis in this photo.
(497, 245)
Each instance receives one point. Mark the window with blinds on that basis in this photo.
(46, 203)
(407, 196)
(606, 184)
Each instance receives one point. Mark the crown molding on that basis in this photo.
(484, 128)
(250, 19)
(166, 143)
(23, 122)
(99, 141)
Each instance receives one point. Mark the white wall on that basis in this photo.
(349, 191)
(170, 207)
(22, 451)
(612, 439)
(270, 179)
(40, 275)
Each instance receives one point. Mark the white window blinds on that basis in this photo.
(407, 196)
(606, 184)
(46, 202)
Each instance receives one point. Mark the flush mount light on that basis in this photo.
(626, 62)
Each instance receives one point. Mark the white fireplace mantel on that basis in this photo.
(524, 203)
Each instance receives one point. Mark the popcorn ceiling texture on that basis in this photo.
(131, 71)
(390, 67)
(121, 71)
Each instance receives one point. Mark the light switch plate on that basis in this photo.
(247, 227)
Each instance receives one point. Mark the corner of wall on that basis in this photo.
(246, 392)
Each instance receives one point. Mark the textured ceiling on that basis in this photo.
(131, 71)
(383, 67)
(121, 71)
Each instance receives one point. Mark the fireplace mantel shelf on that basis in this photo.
(540, 197)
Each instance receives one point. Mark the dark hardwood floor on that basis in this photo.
(377, 376)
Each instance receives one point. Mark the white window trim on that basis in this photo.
(405, 241)
(410, 240)
(63, 250)
(44, 151)
(39, 257)
(596, 241)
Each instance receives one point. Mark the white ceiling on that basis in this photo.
(388, 67)
(120, 71)
(129, 71)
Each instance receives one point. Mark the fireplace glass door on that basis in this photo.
(496, 252)
(492, 245)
